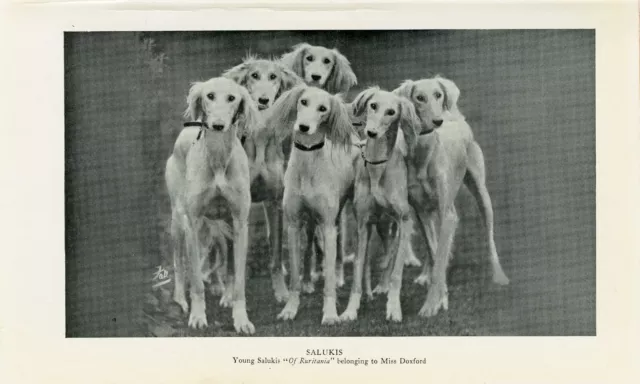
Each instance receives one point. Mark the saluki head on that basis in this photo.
(221, 103)
(265, 79)
(321, 67)
(435, 100)
(311, 111)
(385, 112)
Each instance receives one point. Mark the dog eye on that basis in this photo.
(390, 112)
(231, 98)
(309, 58)
(210, 96)
(272, 77)
(438, 95)
(420, 98)
(326, 61)
(322, 108)
(373, 106)
(255, 75)
(303, 102)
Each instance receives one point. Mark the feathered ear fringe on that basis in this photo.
(250, 122)
(409, 124)
(194, 102)
(282, 114)
(338, 125)
(405, 89)
(341, 78)
(452, 93)
(239, 72)
(359, 104)
(293, 60)
(288, 78)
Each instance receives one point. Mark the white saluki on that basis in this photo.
(446, 156)
(208, 176)
(318, 180)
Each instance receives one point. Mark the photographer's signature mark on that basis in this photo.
(160, 277)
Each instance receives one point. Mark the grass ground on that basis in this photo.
(471, 298)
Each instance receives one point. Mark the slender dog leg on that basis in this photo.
(437, 295)
(291, 308)
(241, 234)
(226, 300)
(308, 286)
(274, 217)
(389, 240)
(179, 291)
(364, 234)
(329, 310)
(386, 231)
(197, 317)
(475, 180)
(367, 276)
(394, 311)
(410, 258)
(317, 259)
(340, 249)
(428, 225)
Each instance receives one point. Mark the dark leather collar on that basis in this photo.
(193, 124)
(308, 149)
(372, 162)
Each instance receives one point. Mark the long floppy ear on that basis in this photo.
(194, 102)
(239, 72)
(451, 93)
(293, 60)
(339, 129)
(341, 78)
(282, 113)
(250, 121)
(359, 104)
(405, 89)
(409, 123)
(288, 79)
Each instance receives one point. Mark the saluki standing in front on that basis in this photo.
(381, 188)
(318, 180)
(446, 156)
(210, 179)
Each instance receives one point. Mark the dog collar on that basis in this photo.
(308, 149)
(372, 162)
(193, 124)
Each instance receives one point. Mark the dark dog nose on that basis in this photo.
(303, 128)
(437, 122)
(316, 77)
(218, 127)
(263, 100)
(371, 134)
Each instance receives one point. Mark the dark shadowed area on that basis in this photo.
(529, 96)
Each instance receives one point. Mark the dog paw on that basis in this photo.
(412, 261)
(394, 311)
(349, 258)
(381, 289)
(226, 299)
(197, 317)
(280, 289)
(182, 302)
(290, 310)
(349, 314)
(436, 299)
(500, 278)
(423, 279)
(330, 318)
(241, 321)
(308, 287)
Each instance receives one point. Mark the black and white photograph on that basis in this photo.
(332, 183)
(329, 191)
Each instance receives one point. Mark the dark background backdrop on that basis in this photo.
(529, 96)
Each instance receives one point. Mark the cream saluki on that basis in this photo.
(318, 180)
(266, 80)
(381, 187)
(208, 176)
(330, 70)
(446, 155)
